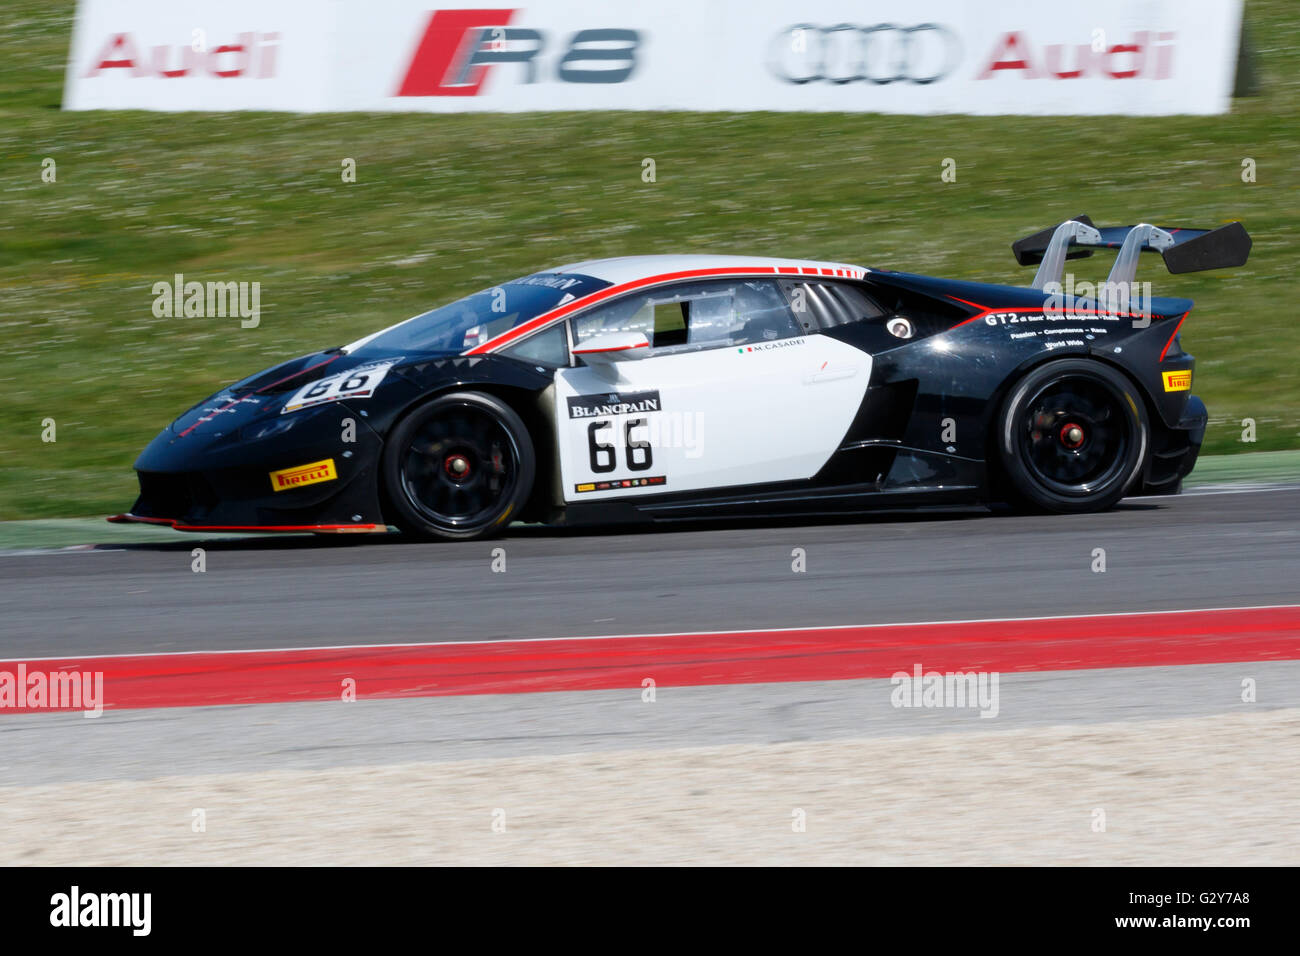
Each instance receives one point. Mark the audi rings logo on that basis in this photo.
(849, 53)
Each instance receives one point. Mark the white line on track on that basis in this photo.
(1222, 489)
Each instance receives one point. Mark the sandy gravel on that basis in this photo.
(1205, 790)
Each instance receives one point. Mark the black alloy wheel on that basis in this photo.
(1072, 437)
(460, 466)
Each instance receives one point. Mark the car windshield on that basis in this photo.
(480, 317)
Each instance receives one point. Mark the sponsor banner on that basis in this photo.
(925, 56)
(1177, 381)
(202, 55)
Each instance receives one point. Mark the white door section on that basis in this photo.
(769, 410)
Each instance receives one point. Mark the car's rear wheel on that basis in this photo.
(458, 467)
(1072, 437)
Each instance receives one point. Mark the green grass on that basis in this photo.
(445, 205)
(1252, 467)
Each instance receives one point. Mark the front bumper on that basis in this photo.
(301, 479)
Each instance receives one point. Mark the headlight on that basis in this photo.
(268, 427)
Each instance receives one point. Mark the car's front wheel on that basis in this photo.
(459, 466)
(1072, 437)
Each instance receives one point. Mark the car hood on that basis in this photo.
(309, 381)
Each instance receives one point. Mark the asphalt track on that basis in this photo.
(1224, 548)
(1143, 714)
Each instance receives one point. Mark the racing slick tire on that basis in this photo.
(1072, 437)
(458, 467)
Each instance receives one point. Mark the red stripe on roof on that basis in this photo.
(546, 318)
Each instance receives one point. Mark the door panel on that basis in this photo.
(732, 415)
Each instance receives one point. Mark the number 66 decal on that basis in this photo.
(359, 382)
(604, 456)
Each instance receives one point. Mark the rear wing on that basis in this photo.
(1184, 250)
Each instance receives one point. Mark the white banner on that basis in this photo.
(1148, 57)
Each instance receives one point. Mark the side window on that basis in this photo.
(824, 305)
(697, 315)
(550, 348)
(631, 314)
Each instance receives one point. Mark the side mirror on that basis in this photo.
(613, 347)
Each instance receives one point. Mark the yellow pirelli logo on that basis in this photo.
(317, 471)
(1177, 381)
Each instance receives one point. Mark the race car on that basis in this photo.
(671, 387)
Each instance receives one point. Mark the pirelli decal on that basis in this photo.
(1177, 381)
(620, 483)
(312, 474)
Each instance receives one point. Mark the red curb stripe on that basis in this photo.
(741, 657)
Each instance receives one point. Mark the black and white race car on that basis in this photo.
(663, 388)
